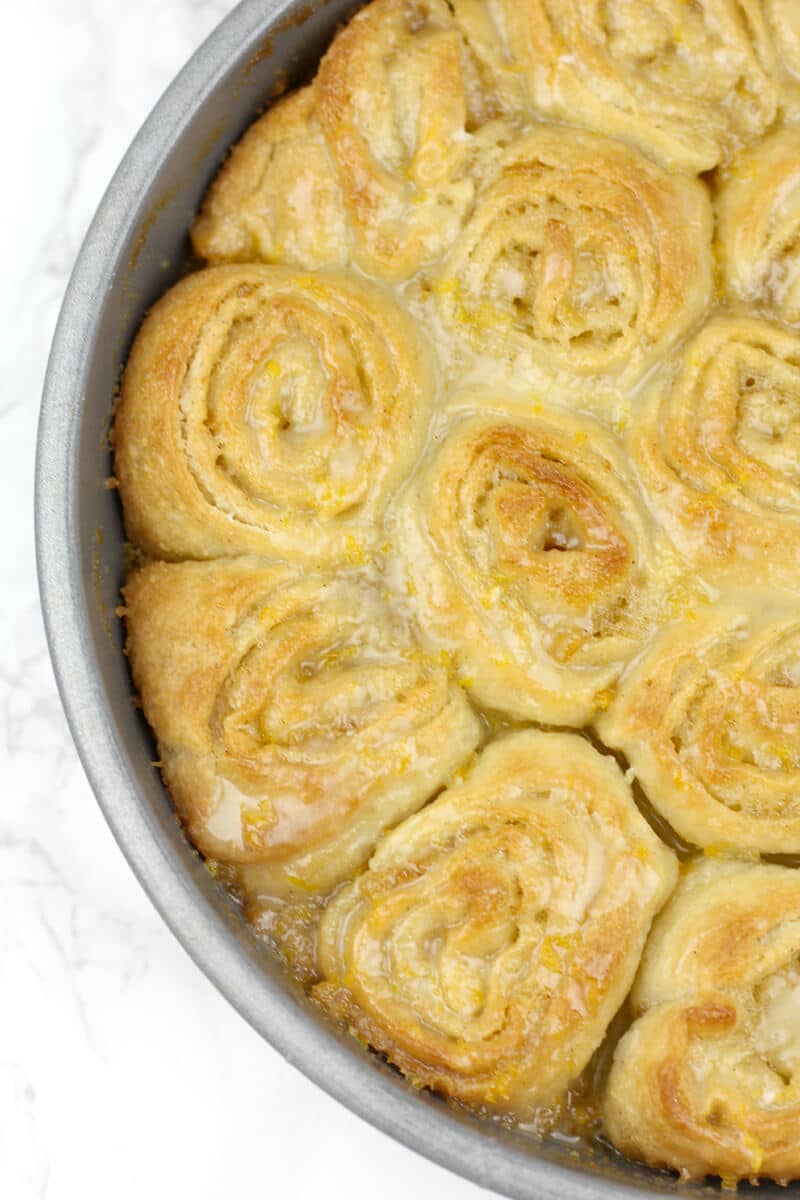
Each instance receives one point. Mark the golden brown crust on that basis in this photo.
(403, 94)
(268, 411)
(684, 82)
(276, 198)
(708, 718)
(373, 161)
(531, 557)
(296, 718)
(717, 452)
(580, 255)
(707, 1080)
(494, 935)
(758, 212)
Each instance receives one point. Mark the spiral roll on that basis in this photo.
(759, 224)
(709, 720)
(718, 451)
(296, 718)
(407, 95)
(267, 411)
(494, 934)
(581, 256)
(375, 161)
(683, 82)
(277, 198)
(530, 556)
(707, 1080)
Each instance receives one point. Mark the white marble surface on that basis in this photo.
(122, 1072)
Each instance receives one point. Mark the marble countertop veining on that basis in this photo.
(122, 1071)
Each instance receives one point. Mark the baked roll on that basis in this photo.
(759, 224)
(707, 1080)
(709, 718)
(373, 162)
(296, 718)
(494, 935)
(718, 452)
(268, 411)
(402, 94)
(683, 82)
(580, 256)
(531, 557)
(277, 198)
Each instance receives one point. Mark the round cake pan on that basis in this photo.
(136, 247)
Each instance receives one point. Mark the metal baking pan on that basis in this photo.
(136, 247)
